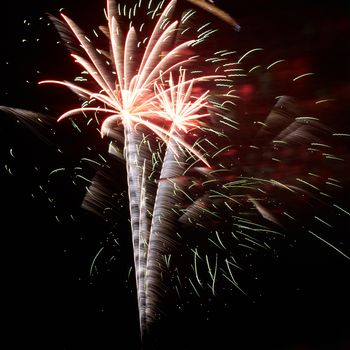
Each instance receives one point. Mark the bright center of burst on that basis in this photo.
(126, 117)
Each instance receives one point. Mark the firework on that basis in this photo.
(195, 158)
(146, 102)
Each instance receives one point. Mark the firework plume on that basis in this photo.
(145, 101)
(197, 157)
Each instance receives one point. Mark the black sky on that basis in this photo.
(51, 299)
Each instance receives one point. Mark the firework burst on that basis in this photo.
(197, 158)
(145, 100)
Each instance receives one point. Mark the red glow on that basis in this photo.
(246, 90)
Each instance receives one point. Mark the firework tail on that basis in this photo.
(138, 163)
(163, 227)
(214, 10)
(141, 186)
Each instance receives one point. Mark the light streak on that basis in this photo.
(329, 244)
(94, 260)
(341, 209)
(217, 12)
(274, 63)
(302, 76)
(322, 221)
(248, 53)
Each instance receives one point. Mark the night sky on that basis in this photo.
(53, 298)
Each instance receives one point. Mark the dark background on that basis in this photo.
(51, 299)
